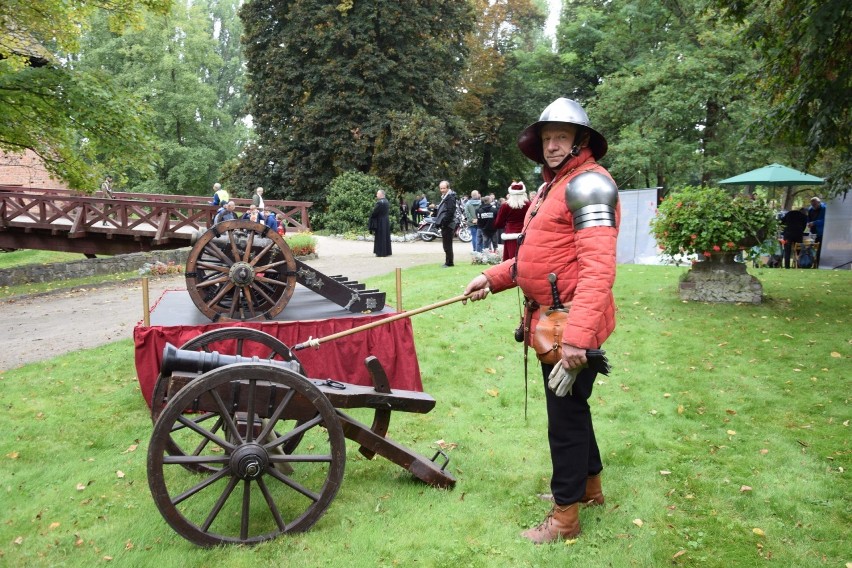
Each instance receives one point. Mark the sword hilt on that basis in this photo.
(554, 291)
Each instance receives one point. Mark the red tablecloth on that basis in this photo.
(341, 359)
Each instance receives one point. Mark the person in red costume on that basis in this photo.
(569, 235)
(510, 218)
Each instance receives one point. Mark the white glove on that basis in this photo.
(561, 380)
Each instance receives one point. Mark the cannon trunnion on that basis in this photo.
(245, 449)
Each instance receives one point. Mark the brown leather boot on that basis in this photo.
(561, 523)
(594, 493)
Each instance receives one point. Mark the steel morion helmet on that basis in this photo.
(560, 110)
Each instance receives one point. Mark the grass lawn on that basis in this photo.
(724, 429)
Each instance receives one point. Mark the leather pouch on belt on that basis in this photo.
(547, 338)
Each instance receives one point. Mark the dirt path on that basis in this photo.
(35, 328)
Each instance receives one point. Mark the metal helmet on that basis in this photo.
(560, 110)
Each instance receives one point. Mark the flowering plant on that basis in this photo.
(301, 244)
(158, 268)
(486, 257)
(704, 220)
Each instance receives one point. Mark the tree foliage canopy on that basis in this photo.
(190, 79)
(364, 86)
(412, 92)
(75, 121)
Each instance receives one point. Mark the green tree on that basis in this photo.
(77, 121)
(347, 86)
(805, 71)
(175, 65)
(666, 94)
(496, 99)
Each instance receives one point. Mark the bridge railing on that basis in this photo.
(161, 219)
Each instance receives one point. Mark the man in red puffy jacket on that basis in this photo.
(570, 233)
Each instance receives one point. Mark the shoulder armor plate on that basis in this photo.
(592, 198)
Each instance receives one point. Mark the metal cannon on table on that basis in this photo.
(244, 271)
(246, 447)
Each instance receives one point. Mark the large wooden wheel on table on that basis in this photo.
(247, 490)
(240, 271)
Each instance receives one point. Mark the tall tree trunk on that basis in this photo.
(485, 169)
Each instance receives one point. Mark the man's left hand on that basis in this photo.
(573, 358)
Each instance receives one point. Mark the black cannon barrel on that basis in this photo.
(187, 361)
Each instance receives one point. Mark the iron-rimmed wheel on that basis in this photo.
(464, 235)
(274, 405)
(240, 271)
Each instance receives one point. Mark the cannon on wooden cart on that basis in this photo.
(246, 447)
(244, 271)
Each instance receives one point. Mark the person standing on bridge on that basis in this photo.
(106, 187)
(257, 199)
(220, 196)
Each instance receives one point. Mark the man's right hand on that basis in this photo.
(477, 289)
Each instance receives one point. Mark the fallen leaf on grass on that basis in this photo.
(12, 455)
(836, 355)
(81, 486)
(128, 545)
(745, 488)
(53, 525)
(665, 472)
(444, 445)
(764, 451)
(19, 540)
(732, 432)
(638, 522)
(493, 392)
(490, 371)
(758, 532)
(119, 474)
(131, 448)
(680, 552)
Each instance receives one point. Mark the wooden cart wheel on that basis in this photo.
(240, 271)
(243, 341)
(267, 502)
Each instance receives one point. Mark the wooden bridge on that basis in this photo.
(69, 221)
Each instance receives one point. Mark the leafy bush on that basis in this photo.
(351, 197)
(301, 244)
(703, 220)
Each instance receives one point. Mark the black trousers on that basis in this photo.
(788, 250)
(574, 451)
(447, 234)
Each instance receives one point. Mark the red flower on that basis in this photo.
(707, 253)
(730, 245)
(717, 248)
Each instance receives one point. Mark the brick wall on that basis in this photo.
(26, 170)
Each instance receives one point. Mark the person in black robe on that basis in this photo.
(380, 225)
(795, 222)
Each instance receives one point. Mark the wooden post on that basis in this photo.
(399, 289)
(146, 308)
